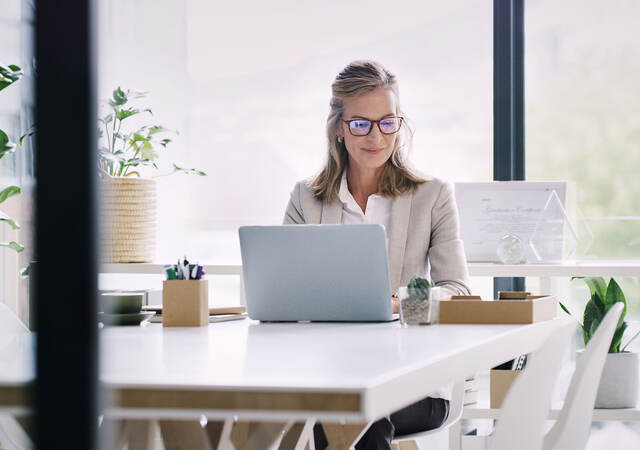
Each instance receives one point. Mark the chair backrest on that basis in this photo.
(526, 406)
(12, 435)
(9, 322)
(456, 404)
(571, 430)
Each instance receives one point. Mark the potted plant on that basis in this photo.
(619, 382)
(129, 205)
(415, 307)
(8, 75)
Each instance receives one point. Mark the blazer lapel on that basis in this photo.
(331, 212)
(400, 211)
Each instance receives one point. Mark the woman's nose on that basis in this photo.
(375, 135)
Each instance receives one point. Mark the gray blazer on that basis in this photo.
(424, 233)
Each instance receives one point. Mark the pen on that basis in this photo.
(185, 268)
(193, 271)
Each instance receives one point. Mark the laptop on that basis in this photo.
(333, 273)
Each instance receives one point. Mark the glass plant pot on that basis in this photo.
(422, 311)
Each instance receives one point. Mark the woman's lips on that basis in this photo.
(372, 151)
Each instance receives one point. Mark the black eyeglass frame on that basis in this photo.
(371, 127)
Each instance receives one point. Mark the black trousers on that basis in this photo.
(426, 414)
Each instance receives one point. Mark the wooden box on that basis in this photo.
(185, 303)
(499, 384)
(509, 309)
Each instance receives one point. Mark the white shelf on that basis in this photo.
(594, 268)
(606, 268)
(154, 268)
(599, 415)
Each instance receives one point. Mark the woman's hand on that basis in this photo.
(394, 304)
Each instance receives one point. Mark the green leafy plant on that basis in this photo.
(603, 297)
(126, 151)
(8, 75)
(419, 288)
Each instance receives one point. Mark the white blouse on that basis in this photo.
(378, 210)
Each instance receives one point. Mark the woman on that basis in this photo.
(366, 179)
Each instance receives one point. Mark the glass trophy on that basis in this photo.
(511, 249)
(554, 238)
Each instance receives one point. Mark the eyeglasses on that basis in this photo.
(362, 127)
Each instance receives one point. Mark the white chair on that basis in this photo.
(455, 412)
(526, 406)
(571, 429)
(12, 435)
(9, 323)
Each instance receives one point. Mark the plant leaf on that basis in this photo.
(108, 156)
(8, 220)
(6, 146)
(9, 75)
(597, 285)
(122, 114)
(134, 162)
(617, 338)
(106, 119)
(177, 168)
(29, 132)
(137, 137)
(12, 245)
(119, 97)
(592, 313)
(137, 94)
(593, 327)
(614, 295)
(9, 192)
(147, 151)
(564, 308)
(157, 129)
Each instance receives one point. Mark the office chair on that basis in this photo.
(526, 406)
(455, 412)
(12, 434)
(571, 429)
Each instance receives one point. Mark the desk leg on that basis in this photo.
(258, 435)
(184, 435)
(454, 436)
(299, 436)
(219, 434)
(134, 434)
(341, 437)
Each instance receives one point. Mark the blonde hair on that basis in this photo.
(360, 77)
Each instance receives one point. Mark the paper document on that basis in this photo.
(489, 211)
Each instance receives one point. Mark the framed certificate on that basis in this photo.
(490, 210)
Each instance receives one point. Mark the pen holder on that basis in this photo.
(185, 303)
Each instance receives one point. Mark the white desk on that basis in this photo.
(269, 372)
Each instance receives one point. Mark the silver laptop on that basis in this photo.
(316, 273)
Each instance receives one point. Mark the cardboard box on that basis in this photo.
(185, 303)
(499, 383)
(472, 309)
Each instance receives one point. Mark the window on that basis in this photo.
(249, 86)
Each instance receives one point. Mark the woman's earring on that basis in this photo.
(340, 139)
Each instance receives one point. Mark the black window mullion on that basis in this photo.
(66, 386)
(508, 104)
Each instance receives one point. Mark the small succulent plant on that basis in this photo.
(419, 288)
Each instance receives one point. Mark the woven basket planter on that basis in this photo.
(128, 220)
